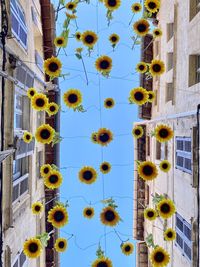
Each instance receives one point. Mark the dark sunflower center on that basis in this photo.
(112, 3)
(70, 6)
(33, 247)
(40, 102)
(151, 5)
(105, 167)
(114, 38)
(45, 134)
(61, 244)
(104, 137)
(109, 103)
(141, 27)
(150, 214)
(32, 93)
(72, 98)
(78, 36)
(87, 175)
(157, 32)
(139, 96)
(53, 66)
(59, 41)
(141, 67)
(52, 108)
(150, 96)
(156, 68)
(109, 215)
(89, 39)
(104, 64)
(46, 170)
(53, 179)
(147, 170)
(164, 165)
(88, 212)
(127, 248)
(136, 8)
(102, 264)
(165, 208)
(159, 257)
(58, 216)
(37, 208)
(169, 234)
(137, 132)
(28, 137)
(163, 133)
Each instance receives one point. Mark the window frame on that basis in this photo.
(17, 260)
(184, 154)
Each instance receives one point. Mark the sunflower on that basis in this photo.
(89, 38)
(157, 67)
(105, 167)
(136, 7)
(114, 38)
(88, 212)
(159, 257)
(165, 166)
(53, 180)
(60, 244)
(32, 248)
(152, 96)
(170, 234)
(39, 102)
(78, 36)
(45, 169)
(52, 108)
(44, 134)
(127, 248)
(163, 133)
(141, 67)
(150, 214)
(109, 216)
(87, 175)
(104, 136)
(103, 64)
(31, 92)
(71, 16)
(102, 262)
(72, 98)
(71, 5)
(112, 5)
(152, 5)
(157, 33)
(37, 208)
(109, 103)
(166, 208)
(52, 66)
(58, 216)
(138, 132)
(60, 41)
(94, 137)
(27, 137)
(147, 170)
(139, 96)
(141, 27)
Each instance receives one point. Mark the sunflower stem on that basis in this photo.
(123, 241)
(131, 19)
(135, 40)
(84, 70)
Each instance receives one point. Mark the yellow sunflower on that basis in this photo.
(136, 7)
(87, 175)
(78, 36)
(170, 234)
(152, 96)
(39, 102)
(165, 166)
(159, 257)
(127, 248)
(88, 212)
(94, 137)
(112, 5)
(71, 16)
(37, 208)
(52, 66)
(104, 262)
(27, 137)
(71, 5)
(139, 96)
(163, 133)
(60, 41)
(58, 216)
(105, 167)
(157, 33)
(104, 136)
(141, 27)
(89, 38)
(157, 67)
(31, 92)
(109, 103)
(52, 108)
(166, 208)
(141, 67)
(150, 214)
(109, 216)
(44, 134)
(72, 98)
(147, 170)
(53, 180)
(45, 169)
(152, 5)
(60, 244)
(138, 132)
(103, 64)
(32, 248)
(114, 38)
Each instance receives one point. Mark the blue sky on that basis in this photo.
(76, 148)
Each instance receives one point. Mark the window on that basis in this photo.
(18, 23)
(170, 31)
(161, 151)
(39, 162)
(194, 8)
(169, 96)
(39, 61)
(20, 260)
(183, 237)
(40, 118)
(169, 61)
(183, 154)
(22, 112)
(197, 69)
(194, 69)
(24, 76)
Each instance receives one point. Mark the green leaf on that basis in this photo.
(44, 238)
(78, 56)
(62, 2)
(157, 198)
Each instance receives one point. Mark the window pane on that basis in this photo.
(13, 2)
(187, 232)
(188, 251)
(179, 144)
(18, 121)
(21, 15)
(180, 161)
(188, 146)
(179, 224)
(23, 36)
(15, 192)
(179, 240)
(187, 164)
(22, 259)
(23, 186)
(16, 264)
(14, 23)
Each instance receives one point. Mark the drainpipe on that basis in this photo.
(198, 189)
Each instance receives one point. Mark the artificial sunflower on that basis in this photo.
(141, 27)
(112, 5)
(88, 212)
(136, 7)
(44, 134)
(78, 36)
(166, 208)
(27, 137)
(32, 248)
(138, 132)
(71, 5)
(109, 103)
(159, 257)
(152, 5)
(71, 16)
(52, 108)
(165, 166)
(157, 67)
(87, 175)
(58, 216)
(157, 33)
(60, 41)
(104, 136)
(53, 180)
(150, 214)
(141, 67)
(114, 38)
(37, 208)
(139, 96)
(94, 137)
(31, 92)
(102, 262)
(152, 96)
(109, 216)
(60, 244)
(72, 98)
(105, 167)
(52, 66)
(39, 102)
(45, 169)
(147, 170)
(170, 234)
(127, 248)
(103, 64)
(163, 133)
(89, 38)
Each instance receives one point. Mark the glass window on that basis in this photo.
(184, 154)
